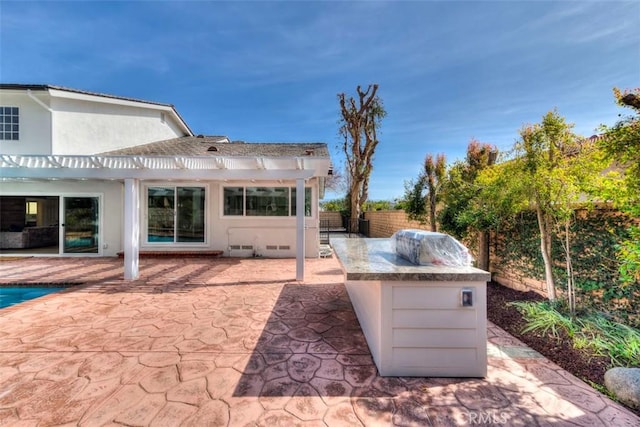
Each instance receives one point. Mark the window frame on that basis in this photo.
(9, 123)
(175, 187)
(245, 201)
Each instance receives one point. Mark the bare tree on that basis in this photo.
(359, 126)
(336, 181)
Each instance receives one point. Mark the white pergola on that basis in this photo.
(133, 169)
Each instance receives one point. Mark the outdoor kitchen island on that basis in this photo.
(419, 320)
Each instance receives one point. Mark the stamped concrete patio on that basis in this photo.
(238, 342)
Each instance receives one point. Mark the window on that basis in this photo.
(175, 214)
(263, 201)
(267, 201)
(9, 123)
(233, 200)
(32, 213)
(307, 201)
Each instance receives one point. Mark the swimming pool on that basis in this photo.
(11, 295)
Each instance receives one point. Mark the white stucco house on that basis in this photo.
(89, 174)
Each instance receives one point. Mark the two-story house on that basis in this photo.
(89, 174)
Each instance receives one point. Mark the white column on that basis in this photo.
(131, 228)
(300, 241)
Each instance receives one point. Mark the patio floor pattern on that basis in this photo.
(217, 342)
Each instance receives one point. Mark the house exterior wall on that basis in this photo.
(35, 124)
(242, 236)
(270, 237)
(61, 122)
(82, 127)
(79, 124)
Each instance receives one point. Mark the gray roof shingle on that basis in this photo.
(217, 146)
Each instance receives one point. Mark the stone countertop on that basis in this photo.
(372, 259)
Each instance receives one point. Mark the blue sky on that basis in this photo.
(270, 71)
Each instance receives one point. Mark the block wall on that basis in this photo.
(385, 223)
(334, 218)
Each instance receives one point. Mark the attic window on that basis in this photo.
(308, 152)
(9, 123)
(212, 148)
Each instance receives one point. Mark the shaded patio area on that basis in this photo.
(239, 342)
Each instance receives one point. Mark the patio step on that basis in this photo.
(171, 254)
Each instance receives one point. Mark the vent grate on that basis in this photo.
(284, 247)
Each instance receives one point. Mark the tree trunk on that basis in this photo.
(483, 250)
(571, 291)
(545, 249)
(432, 211)
(364, 194)
(355, 207)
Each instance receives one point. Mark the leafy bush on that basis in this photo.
(595, 332)
(543, 318)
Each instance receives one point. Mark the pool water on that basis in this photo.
(15, 295)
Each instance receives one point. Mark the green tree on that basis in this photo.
(423, 194)
(413, 202)
(556, 170)
(377, 205)
(621, 143)
(335, 205)
(463, 213)
(359, 124)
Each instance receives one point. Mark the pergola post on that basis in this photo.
(300, 240)
(131, 228)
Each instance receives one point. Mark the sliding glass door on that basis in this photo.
(81, 225)
(175, 214)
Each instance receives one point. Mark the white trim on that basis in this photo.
(162, 162)
(37, 101)
(244, 186)
(161, 167)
